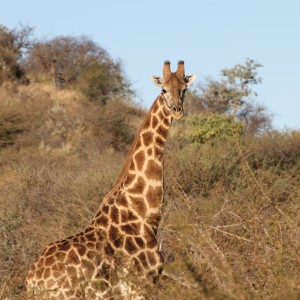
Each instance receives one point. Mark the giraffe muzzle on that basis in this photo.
(177, 112)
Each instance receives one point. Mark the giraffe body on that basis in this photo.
(121, 240)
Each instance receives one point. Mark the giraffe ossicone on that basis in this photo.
(121, 240)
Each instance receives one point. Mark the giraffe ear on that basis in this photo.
(189, 79)
(156, 80)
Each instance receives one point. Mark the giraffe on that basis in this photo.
(121, 240)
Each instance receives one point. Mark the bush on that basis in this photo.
(204, 127)
(13, 44)
(100, 82)
(231, 225)
(71, 61)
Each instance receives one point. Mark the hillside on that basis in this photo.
(59, 155)
(230, 228)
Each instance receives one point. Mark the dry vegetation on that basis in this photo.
(230, 228)
(59, 155)
(232, 218)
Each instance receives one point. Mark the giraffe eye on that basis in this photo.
(164, 91)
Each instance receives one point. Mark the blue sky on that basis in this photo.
(208, 35)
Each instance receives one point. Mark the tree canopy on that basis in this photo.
(232, 95)
(13, 44)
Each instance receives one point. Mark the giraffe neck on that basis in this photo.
(140, 184)
(144, 170)
(154, 130)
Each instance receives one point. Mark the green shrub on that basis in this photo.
(204, 127)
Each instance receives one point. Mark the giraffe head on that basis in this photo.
(173, 87)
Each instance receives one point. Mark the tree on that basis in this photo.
(233, 95)
(13, 44)
(80, 62)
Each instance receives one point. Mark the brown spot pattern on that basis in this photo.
(158, 153)
(49, 260)
(121, 200)
(138, 264)
(111, 201)
(161, 130)
(40, 262)
(131, 228)
(127, 215)
(114, 215)
(46, 273)
(165, 111)
(149, 237)
(167, 122)
(91, 237)
(139, 159)
(153, 170)
(129, 179)
(151, 258)
(113, 233)
(108, 249)
(154, 196)
(72, 257)
(147, 138)
(130, 245)
(154, 121)
(138, 144)
(105, 209)
(80, 249)
(102, 220)
(139, 186)
(155, 108)
(51, 250)
(139, 206)
(160, 115)
(143, 260)
(140, 242)
(89, 229)
(159, 141)
(161, 101)
(147, 123)
(88, 268)
(132, 166)
(60, 256)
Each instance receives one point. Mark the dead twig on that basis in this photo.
(180, 281)
(231, 234)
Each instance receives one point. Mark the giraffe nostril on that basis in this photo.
(177, 108)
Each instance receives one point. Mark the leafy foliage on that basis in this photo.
(204, 127)
(232, 95)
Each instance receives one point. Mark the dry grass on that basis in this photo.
(230, 228)
(232, 224)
